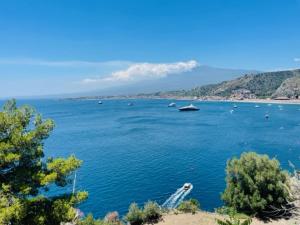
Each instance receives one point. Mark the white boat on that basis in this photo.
(190, 107)
(172, 104)
(187, 186)
(100, 102)
(130, 104)
(256, 106)
(267, 116)
(234, 106)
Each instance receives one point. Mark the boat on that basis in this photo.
(100, 102)
(267, 116)
(256, 106)
(190, 107)
(187, 186)
(234, 106)
(130, 104)
(172, 104)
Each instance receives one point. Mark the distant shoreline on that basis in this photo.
(261, 101)
(206, 99)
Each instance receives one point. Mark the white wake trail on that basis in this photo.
(170, 199)
(175, 199)
(183, 196)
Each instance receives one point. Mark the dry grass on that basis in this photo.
(205, 218)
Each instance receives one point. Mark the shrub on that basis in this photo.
(112, 217)
(89, 220)
(254, 183)
(234, 221)
(152, 212)
(189, 206)
(135, 215)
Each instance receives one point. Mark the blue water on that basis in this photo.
(147, 151)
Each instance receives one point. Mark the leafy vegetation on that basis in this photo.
(234, 221)
(255, 183)
(152, 212)
(89, 220)
(135, 215)
(25, 174)
(189, 206)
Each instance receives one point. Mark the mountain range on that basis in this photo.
(201, 75)
(278, 84)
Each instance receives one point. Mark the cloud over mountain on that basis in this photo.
(144, 71)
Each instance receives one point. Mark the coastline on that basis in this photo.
(260, 101)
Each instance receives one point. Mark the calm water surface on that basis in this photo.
(147, 151)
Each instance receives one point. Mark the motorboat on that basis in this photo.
(187, 186)
(190, 107)
(130, 104)
(267, 116)
(234, 106)
(100, 102)
(172, 104)
(256, 106)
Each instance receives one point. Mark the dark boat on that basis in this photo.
(190, 107)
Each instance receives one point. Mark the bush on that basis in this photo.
(152, 212)
(234, 221)
(189, 206)
(254, 183)
(112, 217)
(89, 220)
(135, 215)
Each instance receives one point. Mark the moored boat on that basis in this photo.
(190, 107)
(172, 104)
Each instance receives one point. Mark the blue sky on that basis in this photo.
(54, 46)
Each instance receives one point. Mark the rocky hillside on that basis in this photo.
(262, 85)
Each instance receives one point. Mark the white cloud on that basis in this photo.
(144, 71)
(63, 63)
(297, 59)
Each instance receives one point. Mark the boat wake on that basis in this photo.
(175, 199)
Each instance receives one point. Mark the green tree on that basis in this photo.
(255, 183)
(25, 174)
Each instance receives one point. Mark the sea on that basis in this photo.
(147, 151)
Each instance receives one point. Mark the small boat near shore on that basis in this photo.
(172, 104)
(100, 102)
(190, 107)
(187, 186)
(130, 104)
